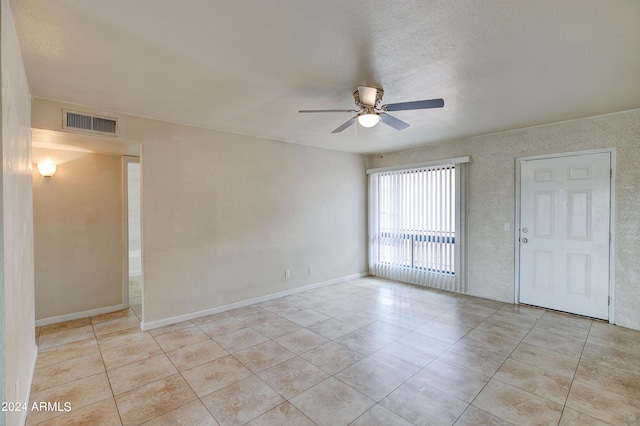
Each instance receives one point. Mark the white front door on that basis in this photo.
(564, 233)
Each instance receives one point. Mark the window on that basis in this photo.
(416, 220)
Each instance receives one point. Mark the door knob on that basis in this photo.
(524, 240)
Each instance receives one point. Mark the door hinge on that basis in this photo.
(610, 173)
(609, 301)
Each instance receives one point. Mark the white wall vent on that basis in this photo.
(95, 124)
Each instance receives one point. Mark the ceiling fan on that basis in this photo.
(370, 112)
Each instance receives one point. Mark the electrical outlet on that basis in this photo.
(310, 270)
(287, 273)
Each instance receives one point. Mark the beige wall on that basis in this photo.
(491, 199)
(223, 215)
(17, 349)
(78, 236)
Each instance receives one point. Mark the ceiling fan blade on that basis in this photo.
(404, 106)
(326, 110)
(390, 120)
(345, 125)
(367, 95)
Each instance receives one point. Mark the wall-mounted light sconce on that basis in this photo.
(47, 168)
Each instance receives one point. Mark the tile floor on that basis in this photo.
(363, 352)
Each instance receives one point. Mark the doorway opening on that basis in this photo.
(132, 294)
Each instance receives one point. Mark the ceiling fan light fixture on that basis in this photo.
(368, 119)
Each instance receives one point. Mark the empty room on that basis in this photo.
(320, 212)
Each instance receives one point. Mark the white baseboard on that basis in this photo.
(243, 303)
(23, 418)
(77, 315)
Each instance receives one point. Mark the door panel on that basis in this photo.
(564, 235)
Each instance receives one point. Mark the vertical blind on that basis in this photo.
(416, 226)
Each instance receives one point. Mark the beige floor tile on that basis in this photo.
(284, 414)
(380, 416)
(331, 328)
(79, 394)
(474, 308)
(563, 330)
(461, 383)
(304, 317)
(180, 338)
(256, 316)
(601, 327)
(603, 405)
(140, 373)
(66, 325)
(614, 341)
(504, 329)
(121, 338)
(67, 352)
(126, 354)
(622, 382)
(567, 319)
(464, 319)
(332, 403)
(242, 401)
(332, 309)
(214, 375)
(358, 319)
(197, 354)
(476, 359)
(363, 341)
(65, 336)
(553, 387)
(276, 327)
(574, 418)
(410, 321)
(490, 342)
(546, 359)
(220, 326)
(209, 318)
(263, 356)
(422, 404)
(108, 327)
(527, 310)
(511, 317)
(389, 357)
(387, 329)
(447, 333)
(428, 345)
(96, 319)
(191, 414)
(332, 357)
(301, 341)
(517, 406)
(563, 345)
(293, 376)
(66, 371)
(171, 328)
(607, 357)
(240, 339)
(474, 416)
(373, 378)
(154, 399)
(103, 413)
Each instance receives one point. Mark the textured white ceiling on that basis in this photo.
(248, 66)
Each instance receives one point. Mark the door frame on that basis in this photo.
(125, 222)
(612, 218)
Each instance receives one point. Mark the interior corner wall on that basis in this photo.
(224, 215)
(491, 198)
(16, 231)
(78, 233)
